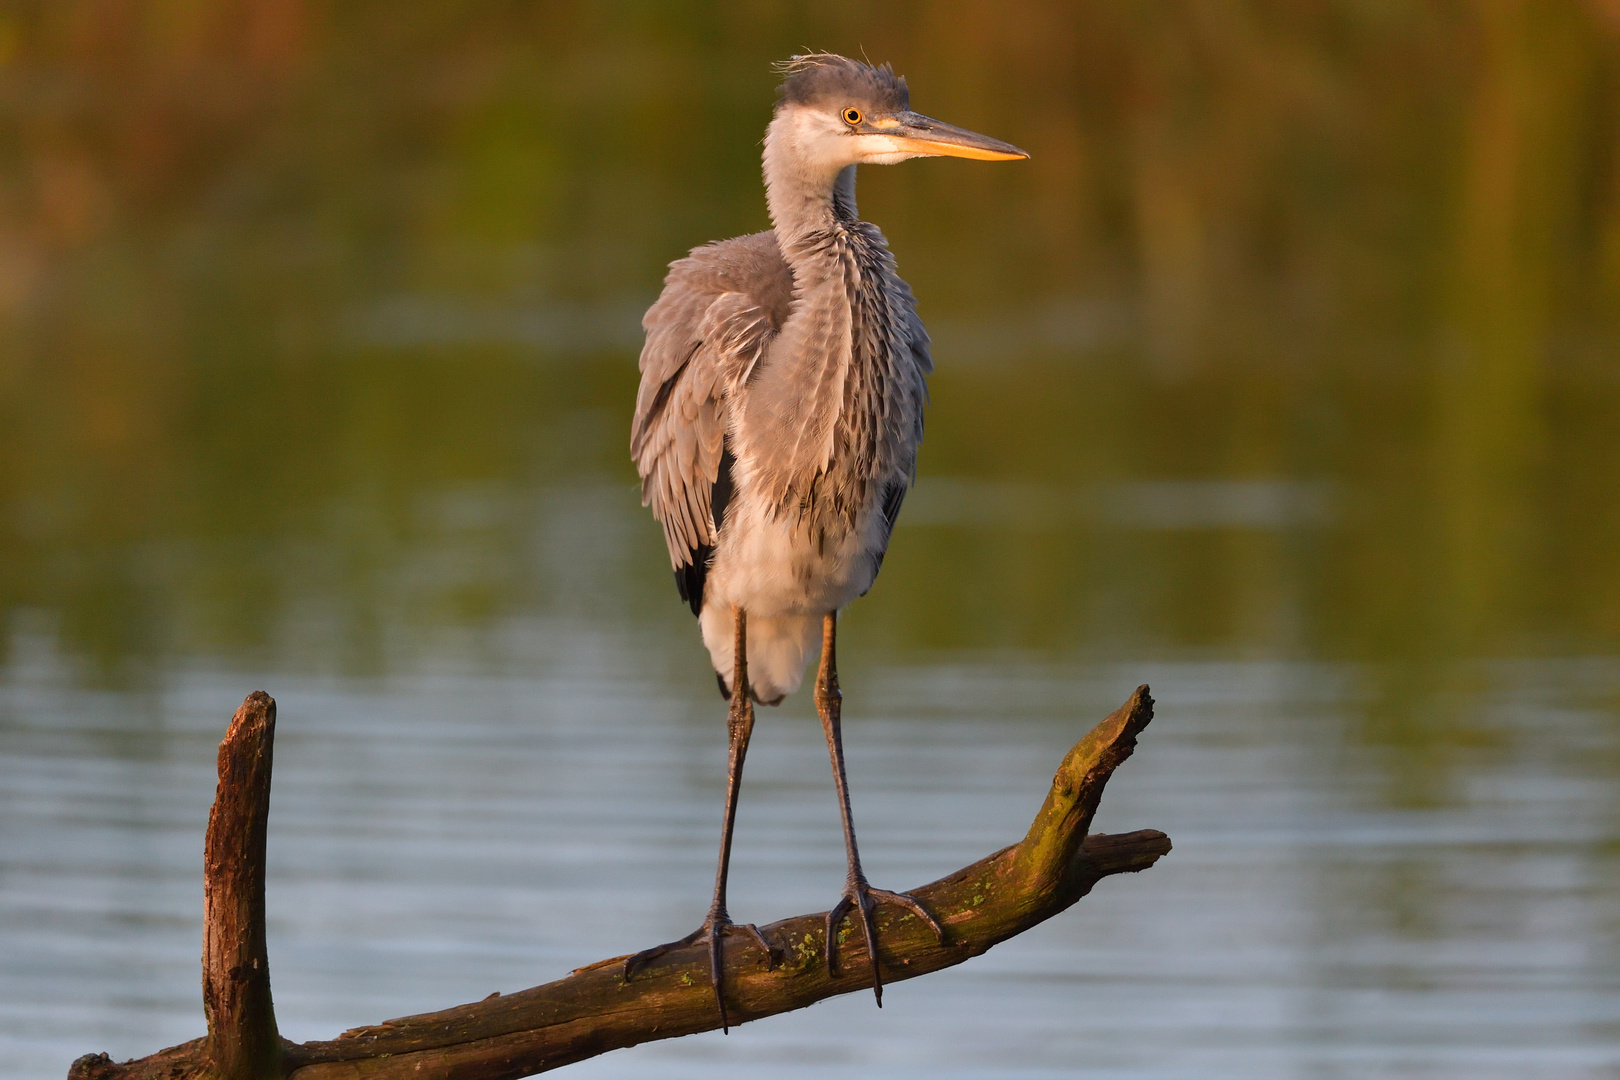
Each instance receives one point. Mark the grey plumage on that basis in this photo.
(836, 428)
(823, 78)
(800, 351)
(719, 309)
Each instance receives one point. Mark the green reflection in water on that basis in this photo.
(1296, 337)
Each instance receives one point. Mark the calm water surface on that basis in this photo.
(438, 836)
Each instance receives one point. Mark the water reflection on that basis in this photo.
(1283, 378)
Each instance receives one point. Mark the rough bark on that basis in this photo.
(595, 1010)
(242, 1039)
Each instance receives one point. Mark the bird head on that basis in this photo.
(834, 112)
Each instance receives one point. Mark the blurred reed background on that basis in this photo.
(1296, 342)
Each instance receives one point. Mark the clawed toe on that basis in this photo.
(861, 897)
(911, 904)
(713, 933)
(633, 964)
(759, 939)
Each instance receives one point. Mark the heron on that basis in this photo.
(776, 427)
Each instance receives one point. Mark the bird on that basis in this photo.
(776, 426)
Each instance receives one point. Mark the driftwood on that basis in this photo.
(594, 1010)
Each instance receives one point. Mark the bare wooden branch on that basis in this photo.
(595, 1010)
(242, 1039)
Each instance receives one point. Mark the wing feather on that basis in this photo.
(703, 340)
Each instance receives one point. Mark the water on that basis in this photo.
(1282, 377)
(440, 836)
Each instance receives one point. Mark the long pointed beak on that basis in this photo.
(919, 134)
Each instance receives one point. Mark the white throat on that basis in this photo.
(809, 159)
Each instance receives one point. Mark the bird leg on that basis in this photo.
(740, 721)
(858, 895)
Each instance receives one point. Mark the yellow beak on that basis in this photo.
(919, 134)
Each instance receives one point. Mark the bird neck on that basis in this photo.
(805, 198)
(844, 194)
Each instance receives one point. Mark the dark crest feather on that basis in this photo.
(827, 78)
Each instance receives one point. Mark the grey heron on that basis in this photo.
(777, 423)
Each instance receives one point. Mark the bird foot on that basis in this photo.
(861, 897)
(712, 933)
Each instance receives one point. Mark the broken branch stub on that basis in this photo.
(243, 1043)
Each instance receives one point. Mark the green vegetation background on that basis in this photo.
(332, 308)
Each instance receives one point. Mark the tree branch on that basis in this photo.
(242, 1038)
(595, 1010)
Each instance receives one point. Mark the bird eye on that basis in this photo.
(852, 117)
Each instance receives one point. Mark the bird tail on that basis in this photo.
(779, 648)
